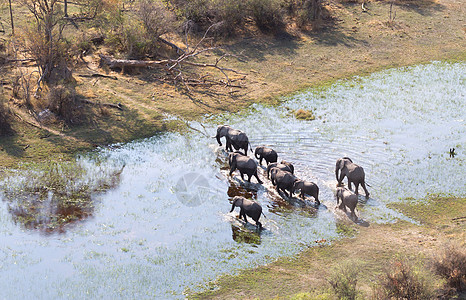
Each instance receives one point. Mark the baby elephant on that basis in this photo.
(248, 207)
(348, 199)
(306, 187)
(268, 154)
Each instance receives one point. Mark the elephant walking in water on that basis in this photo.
(248, 207)
(348, 199)
(282, 180)
(234, 138)
(244, 164)
(268, 154)
(306, 187)
(353, 172)
(283, 165)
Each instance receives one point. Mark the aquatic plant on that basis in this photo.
(302, 114)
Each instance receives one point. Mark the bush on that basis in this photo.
(63, 103)
(302, 114)
(451, 265)
(4, 117)
(402, 280)
(343, 279)
(267, 14)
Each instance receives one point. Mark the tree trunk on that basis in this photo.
(11, 17)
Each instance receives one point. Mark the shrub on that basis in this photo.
(63, 102)
(4, 117)
(267, 14)
(451, 265)
(343, 279)
(302, 114)
(402, 280)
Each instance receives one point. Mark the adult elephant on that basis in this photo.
(283, 165)
(353, 172)
(234, 138)
(247, 207)
(282, 180)
(268, 154)
(348, 199)
(306, 187)
(244, 164)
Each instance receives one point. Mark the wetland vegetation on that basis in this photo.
(159, 227)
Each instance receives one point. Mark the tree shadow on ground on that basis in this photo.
(422, 7)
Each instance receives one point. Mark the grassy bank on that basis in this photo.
(350, 42)
(307, 275)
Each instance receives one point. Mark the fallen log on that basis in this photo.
(125, 63)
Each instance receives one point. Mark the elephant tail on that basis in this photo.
(250, 147)
(263, 214)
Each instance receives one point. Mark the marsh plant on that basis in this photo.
(344, 278)
(50, 196)
(403, 279)
(451, 265)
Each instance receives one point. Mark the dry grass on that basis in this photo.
(350, 42)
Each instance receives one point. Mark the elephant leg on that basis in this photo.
(342, 176)
(260, 161)
(242, 175)
(363, 184)
(249, 177)
(302, 195)
(356, 188)
(257, 177)
(244, 215)
(349, 184)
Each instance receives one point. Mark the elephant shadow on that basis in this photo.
(358, 221)
(250, 186)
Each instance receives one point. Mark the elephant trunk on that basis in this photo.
(233, 206)
(218, 139)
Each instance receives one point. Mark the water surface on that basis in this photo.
(165, 226)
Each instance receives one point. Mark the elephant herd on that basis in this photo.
(282, 175)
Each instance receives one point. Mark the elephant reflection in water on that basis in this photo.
(241, 235)
(57, 195)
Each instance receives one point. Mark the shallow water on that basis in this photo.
(166, 227)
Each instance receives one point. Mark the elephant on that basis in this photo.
(348, 199)
(353, 172)
(283, 165)
(244, 164)
(233, 137)
(248, 207)
(268, 154)
(282, 180)
(307, 187)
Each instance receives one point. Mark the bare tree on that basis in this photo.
(45, 42)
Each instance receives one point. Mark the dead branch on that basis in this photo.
(117, 106)
(98, 75)
(175, 66)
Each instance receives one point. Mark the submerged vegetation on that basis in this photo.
(48, 197)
